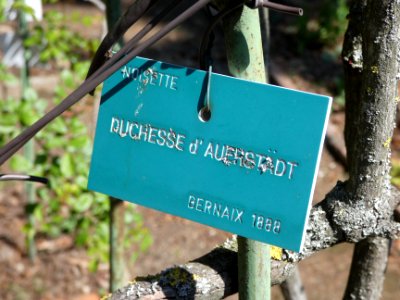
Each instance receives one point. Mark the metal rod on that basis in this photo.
(276, 6)
(245, 60)
(118, 269)
(29, 150)
(284, 8)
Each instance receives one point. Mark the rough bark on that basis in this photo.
(368, 269)
(214, 275)
(353, 63)
(370, 53)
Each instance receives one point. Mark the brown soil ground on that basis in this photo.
(61, 270)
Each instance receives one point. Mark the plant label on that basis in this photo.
(249, 169)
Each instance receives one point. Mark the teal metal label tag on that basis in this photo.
(249, 170)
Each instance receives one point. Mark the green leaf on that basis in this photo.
(9, 117)
(30, 95)
(81, 181)
(30, 208)
(44, 195)
(54, 231)
(93, 265)
(26, 114)
(55, 142)
(68, 78)
(396, 181)
(69, 224)
(83, 232)
(84, 202)
(18, 163)
(55, 205)
(147, 240)
(20, 6)
(45, 55)
(6, 76)
(38, 213)
(87, 21)
(59, 126)
(6, 130)
(77, 143)
(81, 69)
(67, 165)
(82, 237)
(40, 106)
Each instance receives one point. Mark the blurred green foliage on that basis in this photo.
(327, 27)
(322, 29)
(63, 148)
(55, 41)
(3, 15)
(395, 172)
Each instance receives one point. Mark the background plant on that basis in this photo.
(63, 149)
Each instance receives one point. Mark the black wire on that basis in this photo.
(93, 81)
(20, 177)
(134, 12)
(123, 51)
(205, 56)
(146, 29)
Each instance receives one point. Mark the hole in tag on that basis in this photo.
(205, 114)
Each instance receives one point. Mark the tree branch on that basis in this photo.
(214, 275)
(293, 287)
(370, 109)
